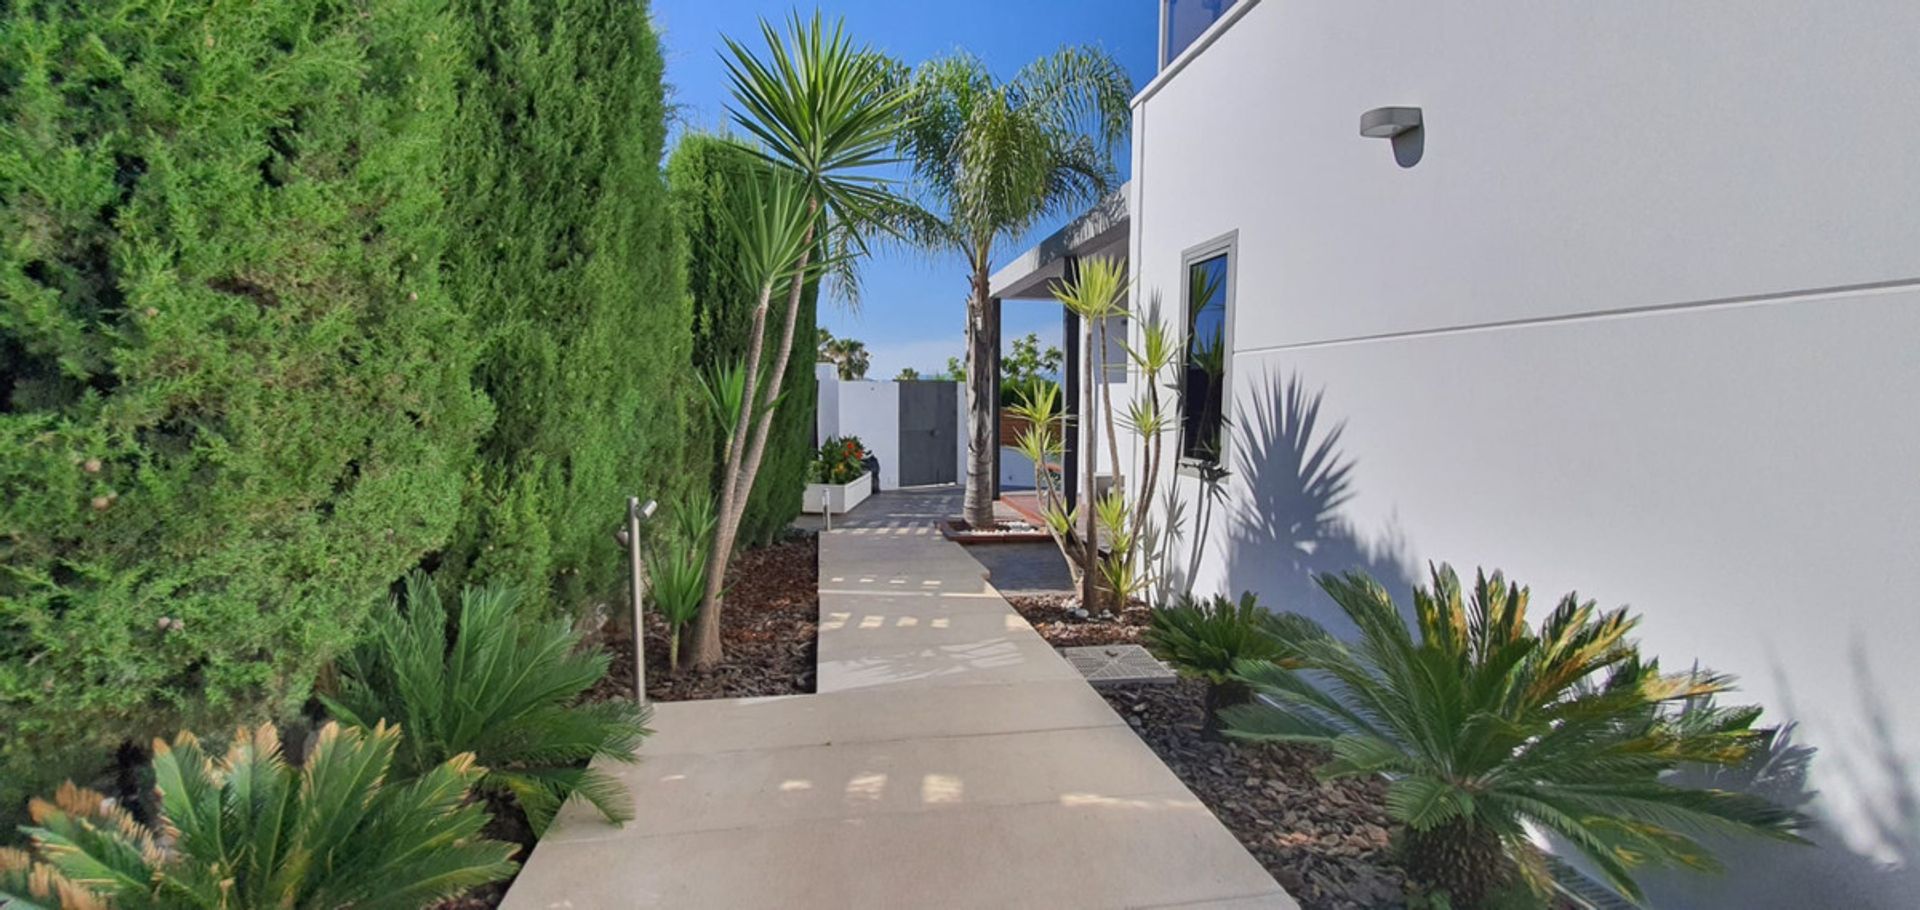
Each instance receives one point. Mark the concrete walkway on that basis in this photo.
(951, 759)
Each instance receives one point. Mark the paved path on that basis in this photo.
(951, 759)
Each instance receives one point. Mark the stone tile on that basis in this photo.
(1087, 852)
(701, 792)
(873, 715)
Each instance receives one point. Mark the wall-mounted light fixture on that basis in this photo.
(1388, 122)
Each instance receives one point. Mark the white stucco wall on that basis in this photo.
(870, 409)
(1642, 321)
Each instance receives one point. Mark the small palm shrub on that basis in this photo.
(504, 687)
(1205, 638)
(245, 830)
(680, 571)
(1485, 725)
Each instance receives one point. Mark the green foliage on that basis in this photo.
(841, 459)
(709, 175)
(848, 355)
(679, 569)
(245, 831)
(565, 257)
(502, 687)
(1024, 370)
(235, 396)
(1205, 638)
(1484, 724)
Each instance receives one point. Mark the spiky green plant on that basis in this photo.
(1205, 637)
(245, 831)
(1041, 438)
(823, 110)
(679, 568)
(504, 687)
(1485, 725)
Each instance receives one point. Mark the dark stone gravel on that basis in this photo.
(1325, 842)
(769, 629)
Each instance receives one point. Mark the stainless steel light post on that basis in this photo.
(630, 535)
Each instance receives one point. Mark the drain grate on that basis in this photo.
(1108, 665)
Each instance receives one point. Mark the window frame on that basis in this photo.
(1227, 244)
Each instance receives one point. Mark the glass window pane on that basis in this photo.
(1205, 360)
(1187, 19)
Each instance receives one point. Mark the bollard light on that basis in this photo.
(629, 537)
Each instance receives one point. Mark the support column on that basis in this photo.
(993, 328)
(1070, 385)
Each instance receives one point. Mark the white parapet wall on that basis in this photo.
(1636, 313)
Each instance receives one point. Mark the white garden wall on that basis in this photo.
(870, 409)
(1643, 320)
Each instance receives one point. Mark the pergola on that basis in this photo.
(1100, 231)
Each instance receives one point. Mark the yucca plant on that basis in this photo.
(504, 687)
(245, 831)
(679, 569)
(1484, 726)
(1205, 638)
(825, 116)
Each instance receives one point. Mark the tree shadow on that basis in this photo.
(1765, 873)
(1285, 529)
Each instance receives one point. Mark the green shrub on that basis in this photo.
(841, 459)
(245, 831)
(565, 256)
(679, 570)
(235, 397)
(1204, 638)
(707, 174)
(1484, 725)
(505, 689)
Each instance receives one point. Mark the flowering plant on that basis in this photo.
(841, 459)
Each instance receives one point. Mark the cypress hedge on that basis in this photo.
(235, 393)
(566, 259)
(701, 172)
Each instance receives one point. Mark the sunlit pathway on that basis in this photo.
(951, 759)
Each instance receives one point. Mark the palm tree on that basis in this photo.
(849, 355)
(825, 114)
(991, 159)
(907, 374)
(1485, 725)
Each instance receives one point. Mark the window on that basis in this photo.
(1204, 377)
(1183, 21)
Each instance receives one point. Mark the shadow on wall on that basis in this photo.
(1768, 874)
(1284, 528)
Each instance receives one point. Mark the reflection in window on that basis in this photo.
(1206, 360)
(1186, 20)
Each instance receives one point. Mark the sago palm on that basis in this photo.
(1205, 638)
(993, 158)
(503, 687)
(1484, 726)
(246, 831)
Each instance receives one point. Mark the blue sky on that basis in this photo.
(915, 305)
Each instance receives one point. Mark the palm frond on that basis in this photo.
(1486, 723)
(505, 688)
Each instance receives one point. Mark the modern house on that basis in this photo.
(1621, 298)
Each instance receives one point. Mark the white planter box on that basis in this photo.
(837, 498)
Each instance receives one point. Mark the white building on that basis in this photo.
(1635, 311)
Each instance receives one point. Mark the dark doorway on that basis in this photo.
(928, 444)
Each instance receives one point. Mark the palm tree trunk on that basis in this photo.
(706, 628)
(982, 406)
(743, 457)
(1090, 453)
